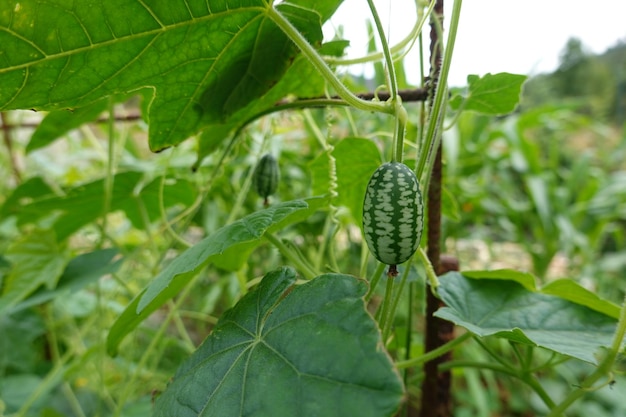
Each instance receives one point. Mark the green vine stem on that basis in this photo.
(288, 253)
(391, 73)
(332, 222)
(166, 222)
(400, 127)
(603, 369)
(363, 267)
(245, 188)
(427, 152)
(396, 300)
(60, 366)
(398, 51)
(398, 110)
(318, 62)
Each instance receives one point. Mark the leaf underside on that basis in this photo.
(308, 350)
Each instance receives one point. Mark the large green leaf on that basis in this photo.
(491, 94)
(37, 260)
(308, 350)
(202, 60)
(508, 309)
(236, 236)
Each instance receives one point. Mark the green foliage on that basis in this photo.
(79, 273)
(491, 94)
(240, 237)
(524, 179)
(269, 356)
(506, 309)
(81, 205)
(393, 213)
(120, 268)
(37, 260)
(356, 159)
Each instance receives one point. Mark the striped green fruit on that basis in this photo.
(393, 213)
(266, 176)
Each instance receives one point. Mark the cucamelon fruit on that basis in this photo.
(265, 177)
(393, 214)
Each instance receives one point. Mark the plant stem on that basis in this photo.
(391, 73)
(480, 365)
(532, 382)
(398, 110)
(436, 398)
(396, 299)
(328, 238)
(305, 269)
(8, 142)
(363, 268)
(435, 353)
(166, 223)
(242, 194)
(55, 374)
(436, 115)
(318, 62)
(397, 51)
(399, 129)
(431, 276)
(181, 329)
(109, 179)
(385, 319)
(522, 376)
(374, 280)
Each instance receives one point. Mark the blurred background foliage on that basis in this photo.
(552, 176)
(542, 189)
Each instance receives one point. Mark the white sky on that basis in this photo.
(518, 36)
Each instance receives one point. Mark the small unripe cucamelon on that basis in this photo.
(266, 176)
(393, 213)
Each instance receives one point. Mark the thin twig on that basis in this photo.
(407, 95)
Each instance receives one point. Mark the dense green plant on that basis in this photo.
(533, 179)
(132, 285)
